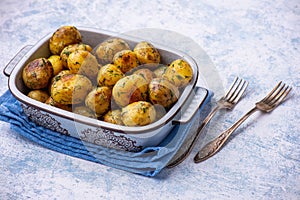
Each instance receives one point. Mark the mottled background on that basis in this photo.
(254, 39)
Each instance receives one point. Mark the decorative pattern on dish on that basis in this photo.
(45, 120)
(107, 138)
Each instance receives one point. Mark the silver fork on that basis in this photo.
(228, 101)
(267, 104)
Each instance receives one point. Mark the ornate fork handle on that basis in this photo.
(215, 145)
(228, 101)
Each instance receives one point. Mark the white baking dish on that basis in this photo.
(93, 130)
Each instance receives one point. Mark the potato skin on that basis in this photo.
(63, 72)
(107, 49)
(56, 63)
(71, 48)
(146, 53)
(70, 88)
(108, 75)
(37, 73)
(145, 73)
(130, 89)
(163, 92)
(50, 101)
(113, 116)
(39, 95)
(98, 100)
(83, 62)
(125, 60)
(56, 77)
(63, 37)
(179, 72)
(138, 113)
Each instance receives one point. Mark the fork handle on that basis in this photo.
(215, 145)
(183, 156)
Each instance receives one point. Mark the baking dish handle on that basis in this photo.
(16, 59)
(193, 103)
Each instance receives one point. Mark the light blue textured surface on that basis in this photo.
(257, 40)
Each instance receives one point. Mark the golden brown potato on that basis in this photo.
(56, 64)
(63, 72)
(179, 73)
(57, 77)
(63, 37)
(139, 113)
(130, 89)
(145, 73)
(125, 60)
(37, 73)
(108, 75)
(98, 100)
(70, 88)
(39, 95)
(107, 49)
(85, 111)
(113, 116)
(71, 48)
(146, 53)
(83, 62)
(50, 101)
(163, 92)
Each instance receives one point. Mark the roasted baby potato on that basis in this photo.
(113, 116)
(83, 62)
(37, 73)
(56, 64)
(39, 95)
(108, 75)
(98, 100)
(138, 113)
(71, 48)
(63, 37)
(145, 73)
(107, 49)
(61, 73)
(70, 88)
(146, 53)
(85, 111)
(163, 92)
(179, 72)
(125, 60)
(50, 101)
(130, 89)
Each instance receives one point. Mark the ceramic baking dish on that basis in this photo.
(93, 130)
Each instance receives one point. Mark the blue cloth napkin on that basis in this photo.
(149, 162)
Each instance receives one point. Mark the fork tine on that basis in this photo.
(281, 96)
(270, 94)
(233, 90)
(229, 91)
(240, 92)
(275, 94)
